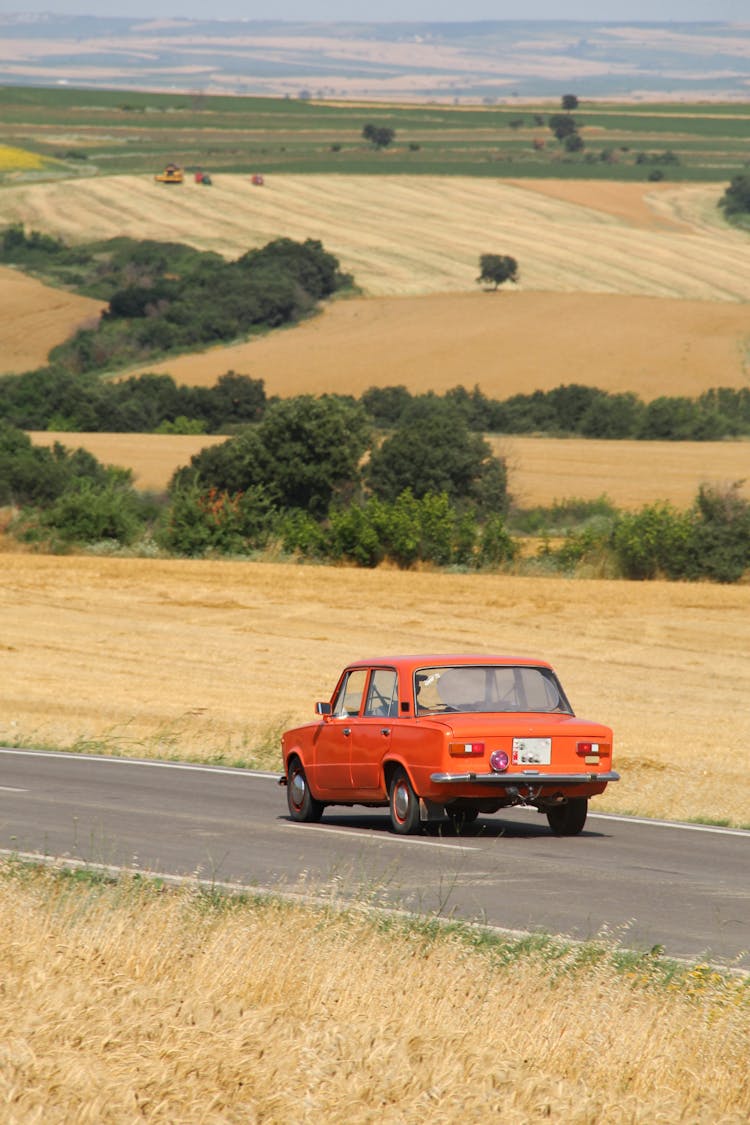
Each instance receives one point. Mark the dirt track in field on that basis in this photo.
(541, 470)
(160, 658)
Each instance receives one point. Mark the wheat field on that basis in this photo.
(402, 235)
(206, 660)
(123, 1004)
(35, 318)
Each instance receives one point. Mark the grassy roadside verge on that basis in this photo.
(125, 999)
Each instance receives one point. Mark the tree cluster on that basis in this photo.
(54, 399)
(379, 136)
(735, 202)
(165, 297)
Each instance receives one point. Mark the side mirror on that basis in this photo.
(322, 708)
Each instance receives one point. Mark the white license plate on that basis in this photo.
(532, 751)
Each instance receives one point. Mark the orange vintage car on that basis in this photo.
(430, 736)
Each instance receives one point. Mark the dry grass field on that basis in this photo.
(199, 659)
(506, 343)
(541, 470)
(34, 318)
(593, 257)
(121, 1004)
(413, 235)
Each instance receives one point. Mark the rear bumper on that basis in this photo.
(528, 777)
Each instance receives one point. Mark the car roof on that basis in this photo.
(432, 660)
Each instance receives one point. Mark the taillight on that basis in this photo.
(466, 749)
(586, 748)
(499, 761)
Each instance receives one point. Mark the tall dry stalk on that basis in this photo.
(122, 1003)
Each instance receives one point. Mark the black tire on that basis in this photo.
(568, 819)
(404, 804)
(302, 805)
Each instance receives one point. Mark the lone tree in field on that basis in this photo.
(735, 202)
(569, 102)
(562, 125)
(379, 136)
(497, 268)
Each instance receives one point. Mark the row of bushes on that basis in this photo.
(586, 411)
(69, 499)
(710, 541)
(52, 398)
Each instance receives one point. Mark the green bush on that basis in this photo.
(202, 520)
(89, 513)
(652, 541)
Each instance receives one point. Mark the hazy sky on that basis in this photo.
(737, 11)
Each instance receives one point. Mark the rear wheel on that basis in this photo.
(404, 804)
(569, 818)
(302, 805)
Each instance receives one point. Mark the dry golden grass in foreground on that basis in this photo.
(209, 660)
(540, 470)
(121, 1004)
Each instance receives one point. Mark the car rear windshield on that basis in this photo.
(490, 687)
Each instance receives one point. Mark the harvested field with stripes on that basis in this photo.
(412, 235)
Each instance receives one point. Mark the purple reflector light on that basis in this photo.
(499, 760)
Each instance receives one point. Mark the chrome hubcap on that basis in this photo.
(401, 801)
(297, 787)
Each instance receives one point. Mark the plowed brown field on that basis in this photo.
(163, 658)
(541, 470)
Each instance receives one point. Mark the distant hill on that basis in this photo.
(456, 62)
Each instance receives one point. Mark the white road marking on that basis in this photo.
(12, 789)
(151, 762)
(716, 829)
(381, 837)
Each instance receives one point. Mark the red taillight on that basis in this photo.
(585, 748)
(499, 761)
(466, 749)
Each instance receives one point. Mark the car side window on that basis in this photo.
(349, 698)
(382, 698)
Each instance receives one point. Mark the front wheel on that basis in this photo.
(404, 804)
(569, 818)
(302, 805)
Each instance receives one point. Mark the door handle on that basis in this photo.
(385, 730)
(347, 730)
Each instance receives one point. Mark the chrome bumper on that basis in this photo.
(528, 777)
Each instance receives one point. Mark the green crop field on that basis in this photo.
(105, 132)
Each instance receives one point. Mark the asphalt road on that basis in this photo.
(645, 883)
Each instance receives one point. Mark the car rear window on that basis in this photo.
(490, 687)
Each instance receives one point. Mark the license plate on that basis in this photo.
(532, 751)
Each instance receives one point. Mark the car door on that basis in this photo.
(333, 749)
(371, 734)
